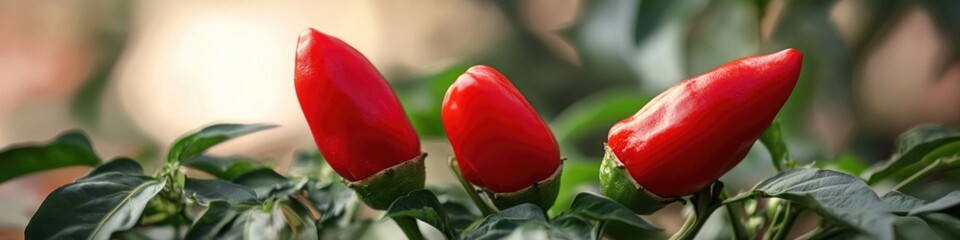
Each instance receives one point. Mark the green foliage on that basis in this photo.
(108, 200)
(194, 144)
(71, 148)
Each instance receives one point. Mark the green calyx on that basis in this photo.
(379, 190)
(543, 193)
(617, 184)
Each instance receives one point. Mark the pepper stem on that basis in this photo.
(409, 227)
(472, 192)
(704, 203)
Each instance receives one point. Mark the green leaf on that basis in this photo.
(269, 184)
(195, 143)
(900, 203)
(914, 228)
(773, 141)
(505, 222)
(722, 30)
(912, 146)
(649, 15)
(422, 98)
(71, 148)
(109, 199)
(331, 200)
(571, 227)
(206, 191)
(832, 194)
(945, 225)
(226, 168)
(576, 174)
(949, 202)
(424, 206)
(225, 221)
(213, 221)
(599, 208)
(595, 113)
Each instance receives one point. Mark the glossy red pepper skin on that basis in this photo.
(694, 132)
(500, 142)
(354, 115)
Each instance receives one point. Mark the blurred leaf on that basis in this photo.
(912, 147)
(576, 173)
(773, 141)
(597, 112)
(949, 202)
(422, 99)
(71, 148)
(598, 208)
(226, 168)
(761, 7)
(649, 15)
(835, 195)
(944, 14)
(206, 191)
(849, 163)
(914, 228)
(900, 203)
(194, 144)
(311, 164)
(109, 199)
(945, 225)
(827, 62)
(269, 184)
(110, 29)
(724, 30)
(571, 227)
(424, 206)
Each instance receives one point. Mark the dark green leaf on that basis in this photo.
(109, 199)
(195, 143)
(571, 227)
(772, 140)
(946, 225)
(72, 148)
(424, 206)
(504, 223)
(206, 191)
(948, 202)
(599, 208)
(331, 200)
(912, 146)
(649, 15)
(914, 228)
(217, 217)
(268, 183)
(226, 168)
(255, 223)
(900, 203)
(832, 194)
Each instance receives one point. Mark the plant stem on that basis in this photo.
(919, 175)
(598, 232)
(409, 227)
(472, 192)
(733, 212)
(789, 218)
(690, 227)
(704, 203)
(934, 166)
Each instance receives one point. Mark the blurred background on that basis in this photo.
(136, 75)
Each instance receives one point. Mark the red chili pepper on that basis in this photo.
(500, 142)
(694, 132)
(356, 119)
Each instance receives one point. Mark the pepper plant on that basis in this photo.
(370, 168)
